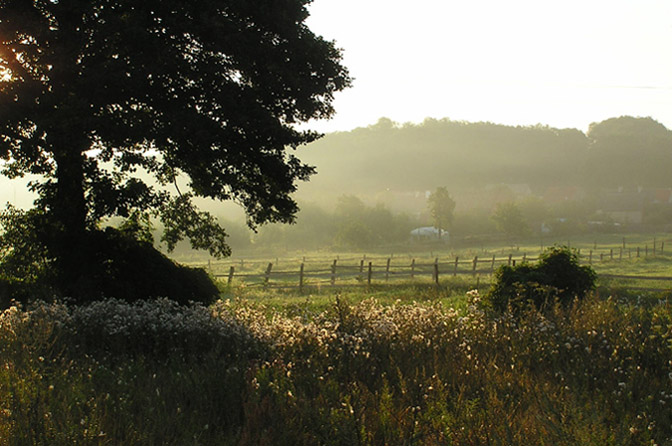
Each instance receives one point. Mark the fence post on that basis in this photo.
(301, 278)
(436, 272)
(456, 262)
(268, 274)
(333, 272)
(473, 269)
(361, 266)
(492, 267)
(230, 279)
(590, 257)
(601, 257)
(387, 270)
(368, 277)
(510, 256)
(623, 242)
(524, 256)
(435, 268)
(412, 269)
(638, 252)
(611, 254)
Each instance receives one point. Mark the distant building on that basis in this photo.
(428, 233)
(662, 196)
(624, 207)
(559, 194)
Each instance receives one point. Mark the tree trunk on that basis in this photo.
(68, 209)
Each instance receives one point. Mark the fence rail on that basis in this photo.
(387, 270)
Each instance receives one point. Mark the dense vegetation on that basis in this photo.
(98, 96)
(124, 264)
(425, 374)
(556, 278)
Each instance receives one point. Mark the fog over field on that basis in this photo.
(561, 111)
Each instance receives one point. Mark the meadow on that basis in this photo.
(409, 364)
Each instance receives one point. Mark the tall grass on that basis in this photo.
(352, 374)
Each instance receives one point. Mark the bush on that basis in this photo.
(556, 277)
(129, 269)
(120, 263)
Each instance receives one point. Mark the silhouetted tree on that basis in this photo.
(208, 92)
(441, 207)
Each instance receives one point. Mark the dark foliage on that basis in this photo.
(93, 93)
(120, 263)
(26, 271)
(131, 269)
(556, 277)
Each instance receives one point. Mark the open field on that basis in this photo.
(628, 265)
(353, 374)
(394, 362)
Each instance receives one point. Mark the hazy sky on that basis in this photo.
(565, 64)
(561, 63)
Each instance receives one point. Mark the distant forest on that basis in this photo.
(618, 152)
(372, 183)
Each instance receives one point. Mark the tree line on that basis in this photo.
(624, 151)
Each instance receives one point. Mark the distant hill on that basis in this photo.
(461, 156)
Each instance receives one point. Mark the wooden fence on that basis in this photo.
(377, 271)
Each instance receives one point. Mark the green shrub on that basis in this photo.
(120, 263)
(556, 277)
(129, 269)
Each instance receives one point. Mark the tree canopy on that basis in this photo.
(94, 92)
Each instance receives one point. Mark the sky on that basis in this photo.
(516, 62)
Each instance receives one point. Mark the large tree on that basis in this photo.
(94, 91)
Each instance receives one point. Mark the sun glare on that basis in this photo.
(5, 75)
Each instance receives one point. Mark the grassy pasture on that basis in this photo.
(607, 258)
(408, 364)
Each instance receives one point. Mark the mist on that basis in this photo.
(372, 185)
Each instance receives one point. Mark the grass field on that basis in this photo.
(363, 373)
(408, 363)
(604, 253)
